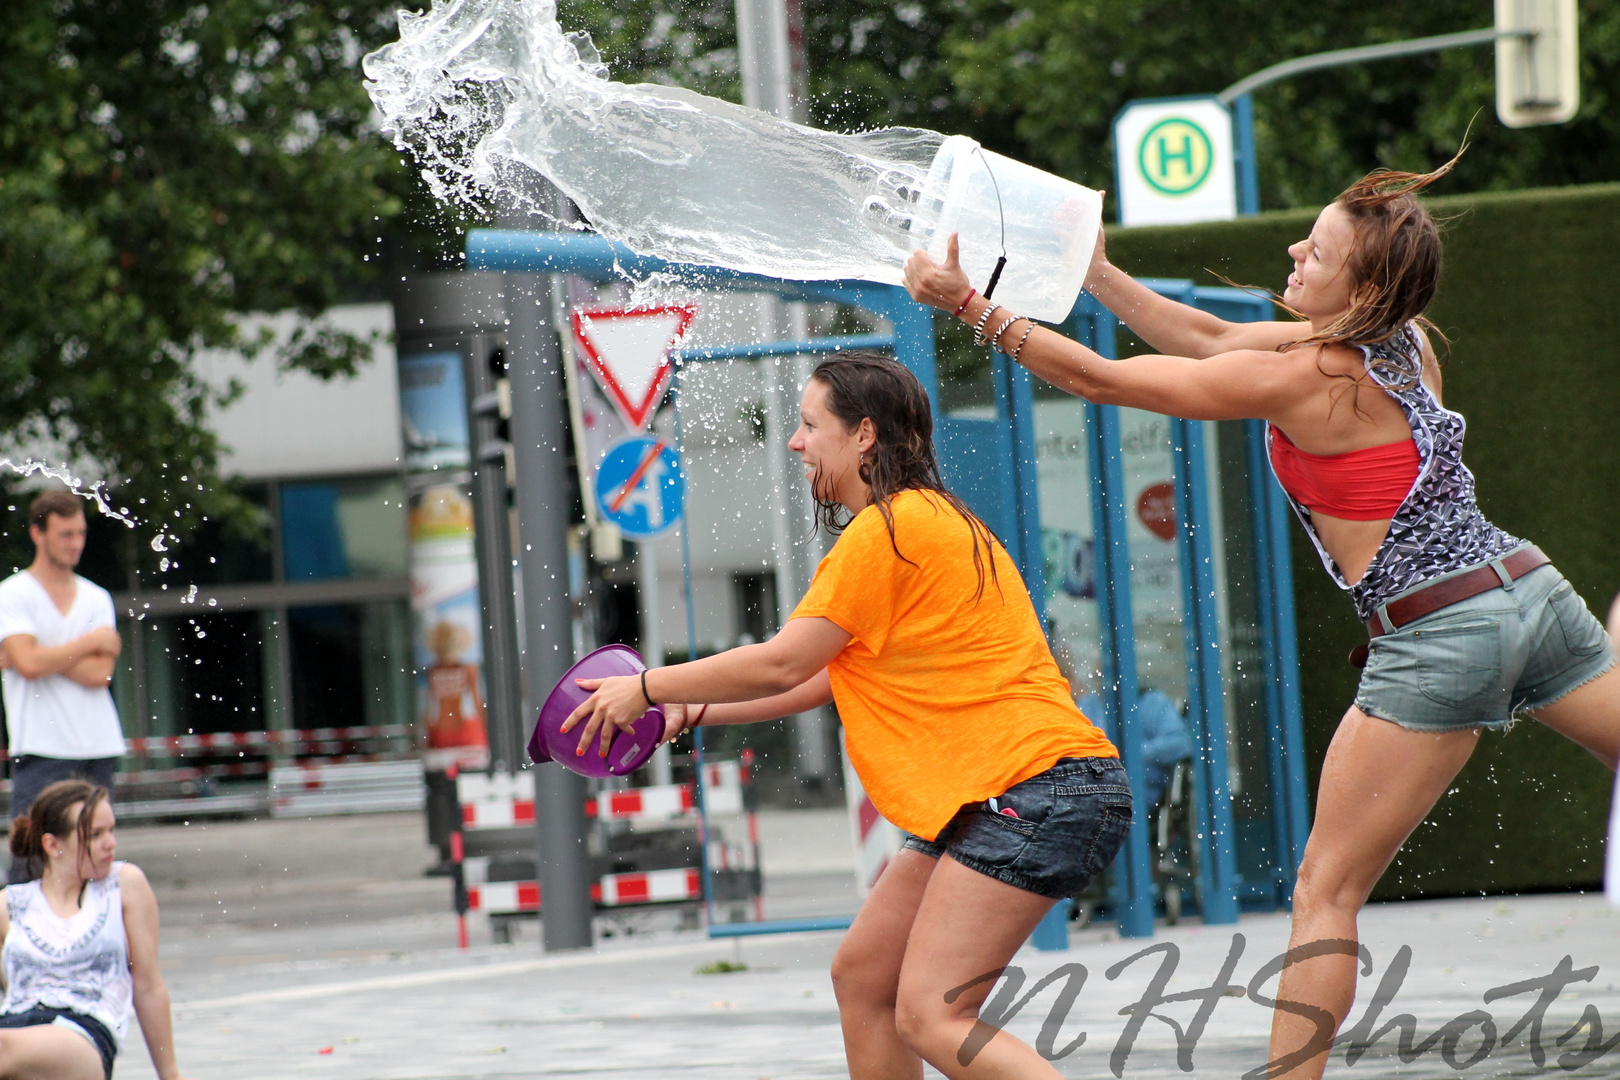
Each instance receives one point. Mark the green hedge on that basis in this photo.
(1530, 305)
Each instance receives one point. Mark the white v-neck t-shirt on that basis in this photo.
(55, 717)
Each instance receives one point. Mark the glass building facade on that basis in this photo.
(299, 618)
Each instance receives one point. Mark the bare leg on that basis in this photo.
(47, 1052)
(866, 972)
(969, 924)
(1378, 782)
(1590, 716)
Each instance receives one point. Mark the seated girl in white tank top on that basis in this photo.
(81, 944)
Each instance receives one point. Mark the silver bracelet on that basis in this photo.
(978, 327)
(995, 338)
(1018, 349)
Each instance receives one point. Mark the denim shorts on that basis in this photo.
(1066, 826)
(88, 1026)
(1480, 662)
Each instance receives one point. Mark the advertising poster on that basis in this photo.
(448, 642)
(1063, 471)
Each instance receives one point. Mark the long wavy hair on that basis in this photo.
(1394, 267)
(870, 386)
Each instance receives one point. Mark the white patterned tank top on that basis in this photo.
(79, 963)
(1438, 527)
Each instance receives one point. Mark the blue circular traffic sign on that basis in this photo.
(639, 487)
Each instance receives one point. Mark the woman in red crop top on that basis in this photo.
(1372, 463)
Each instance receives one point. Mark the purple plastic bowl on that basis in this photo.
(628, 751)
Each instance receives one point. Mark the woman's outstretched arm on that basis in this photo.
(151, 992)
(782, 666)
(1173, 327)
(1235, 385)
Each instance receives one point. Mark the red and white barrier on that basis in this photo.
(613, 890)
(498, 801)
(504, 897)
(506, 801)
(876, 840)
(366, 787)
(649, 887)
(191, 745)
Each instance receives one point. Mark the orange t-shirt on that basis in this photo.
(945, 701)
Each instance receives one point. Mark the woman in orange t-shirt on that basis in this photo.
(956, 718)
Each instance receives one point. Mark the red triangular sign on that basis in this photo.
(628, 352)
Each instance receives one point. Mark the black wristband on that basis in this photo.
(644, 689)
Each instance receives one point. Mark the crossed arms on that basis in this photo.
(87, 659)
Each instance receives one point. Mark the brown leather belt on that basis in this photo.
(1448, 591)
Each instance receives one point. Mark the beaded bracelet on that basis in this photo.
(978, 327)
(1018, 349)
(965, 302)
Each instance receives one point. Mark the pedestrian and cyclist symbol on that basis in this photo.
(640, 487)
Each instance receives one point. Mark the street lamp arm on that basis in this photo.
(1336, 57)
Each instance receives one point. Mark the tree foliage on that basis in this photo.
(1043, 79)
(1065, 68)
(165, 166)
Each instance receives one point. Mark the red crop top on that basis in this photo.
(1362, 485)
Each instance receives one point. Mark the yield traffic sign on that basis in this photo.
(627, 350)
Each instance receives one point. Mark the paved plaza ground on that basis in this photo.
(317, 949)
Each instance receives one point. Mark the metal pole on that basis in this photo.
(1240, 94)
(492, 544)
(652, 638)
(1248, 166)
(539, 450)
(1339, 57)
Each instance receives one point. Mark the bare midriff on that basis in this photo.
(1351, 543)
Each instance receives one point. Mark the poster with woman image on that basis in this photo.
(444, 570)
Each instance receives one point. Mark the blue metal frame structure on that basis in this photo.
(990, 462)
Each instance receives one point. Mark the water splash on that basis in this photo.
(96, 492)
(484, 93)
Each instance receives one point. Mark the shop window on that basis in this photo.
(343, 528)
(204, 673)
(346, 665)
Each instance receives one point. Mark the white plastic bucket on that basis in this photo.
(1050, 226)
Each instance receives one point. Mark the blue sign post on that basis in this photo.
(640, 487)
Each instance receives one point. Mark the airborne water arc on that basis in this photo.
(482, 91)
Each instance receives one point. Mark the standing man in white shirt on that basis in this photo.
(59, 644)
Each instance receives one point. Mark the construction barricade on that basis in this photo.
(226, 773)
(645, 845)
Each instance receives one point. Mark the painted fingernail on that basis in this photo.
(580, 752)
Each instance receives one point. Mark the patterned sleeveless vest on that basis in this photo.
(1439, 527)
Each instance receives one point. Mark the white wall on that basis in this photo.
(294, 424)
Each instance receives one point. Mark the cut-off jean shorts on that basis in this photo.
(1066, 826)
(1482, 661)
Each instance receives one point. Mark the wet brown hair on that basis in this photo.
(48, 504)
(1394, 266)
(870, 386)
(50, 813)
(1395, 263)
